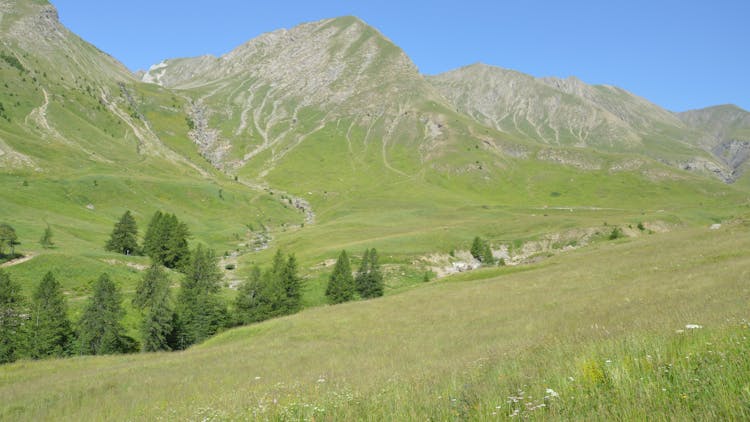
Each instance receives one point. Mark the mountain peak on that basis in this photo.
(329, 60)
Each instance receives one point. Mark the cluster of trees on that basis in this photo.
(41, 328)
(368, 282)
(270, 293)
(482, 252)
(165, 241)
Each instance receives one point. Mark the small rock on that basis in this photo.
(90, 207)
(716, 226)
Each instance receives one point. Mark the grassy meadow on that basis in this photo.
(597, 333)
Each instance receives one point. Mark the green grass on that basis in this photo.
(455, 349)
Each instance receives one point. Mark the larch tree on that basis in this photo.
(124, 237)
(153, 299)
(12, 311)
(46, 239)
(201, 310)
(292, 285)
(100, 329)
(8, 238)
(51, 333)
(341, 283)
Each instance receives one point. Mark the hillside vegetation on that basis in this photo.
(609, 338)
(325, 138)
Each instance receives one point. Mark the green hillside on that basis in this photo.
(326, 137)
(608, 337)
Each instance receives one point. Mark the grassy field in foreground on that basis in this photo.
(598, 327)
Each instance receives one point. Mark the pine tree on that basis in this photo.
(201, 311)
(152, 297)
(176, 250)
(361, 280)
(9, 238)
(12, 309)
(477, 247)
(51, 333)
(124, 237)
(292, 285)
(46, 239)
(248, 301)
(261, 297)
(152, 238)
(369, 277)
(376, 276)
(165, 241)
(100, 328)
(487, 258)
(341, 283)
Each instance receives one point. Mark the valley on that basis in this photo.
(326, 137)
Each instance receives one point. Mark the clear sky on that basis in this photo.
(680, 54)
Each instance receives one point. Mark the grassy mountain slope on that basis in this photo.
(331, 112)
(601, 335)
(81, 141)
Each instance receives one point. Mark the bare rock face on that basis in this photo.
(726, 133)
(552, 110)
(569, 112)
(35, 26)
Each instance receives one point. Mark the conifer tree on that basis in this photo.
(369, 277)
(292, 285)
(201, 311)
(376, 276)
(8, 238)
(165, 241)
(248, 301)
(487, 258)
(341, 283)
(153, 237)
(51, 333)
(46, 239)
(152, 297)
(12, 310)
(361, 280)
(100, 328)
(477, 247)
(124, 237)
(261, 297)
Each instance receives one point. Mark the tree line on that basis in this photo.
(40, 327)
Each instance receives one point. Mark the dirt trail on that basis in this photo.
(17, 261)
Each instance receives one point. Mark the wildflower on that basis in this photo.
(552, 393)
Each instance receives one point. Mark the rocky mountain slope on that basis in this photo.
(726, 133)
(557, 111)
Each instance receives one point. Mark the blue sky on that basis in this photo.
(679, 54)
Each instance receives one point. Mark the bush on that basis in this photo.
(616, 234)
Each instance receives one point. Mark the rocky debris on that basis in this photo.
(210, 144)
(706, 166)
(568, 158)
(528, 252)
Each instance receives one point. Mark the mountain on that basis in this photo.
(557, 111)
(726, 131)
